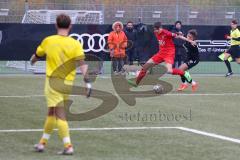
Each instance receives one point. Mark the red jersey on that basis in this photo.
(165, 39)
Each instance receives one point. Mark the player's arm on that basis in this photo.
(188, 40)
(84, 71)
(83, 68)
(237, 38)
(227, 36)
(33, 59)
(39, 53)
(170, 34)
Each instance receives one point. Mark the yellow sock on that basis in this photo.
(48, 129)
(63, 131)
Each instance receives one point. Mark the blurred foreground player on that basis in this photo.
(192, 59)
(166, 54)
(58, 50)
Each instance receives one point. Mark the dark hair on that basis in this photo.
(157, 25)
(234, 21)
(63, 21)
(194, 33)
(178, 22)
(129, 22)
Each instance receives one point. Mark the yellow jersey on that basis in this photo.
(58, 51)
(235, 34)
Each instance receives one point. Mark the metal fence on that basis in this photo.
(168, 14)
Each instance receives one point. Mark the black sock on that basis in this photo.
(183, 79)
(228, 66)
(190, 81)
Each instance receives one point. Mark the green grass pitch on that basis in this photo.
(214, 108)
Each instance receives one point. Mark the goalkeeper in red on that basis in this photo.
(166, 54)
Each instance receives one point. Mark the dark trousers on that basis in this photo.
(130, 57)
(180, 56)
(117, 64)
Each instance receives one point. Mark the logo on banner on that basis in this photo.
(98, 42)
(213, 43)
(0, 36)
(92, 41)
(212, 46)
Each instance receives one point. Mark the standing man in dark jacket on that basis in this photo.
(131, 36)
(146, 44)
(180, 53)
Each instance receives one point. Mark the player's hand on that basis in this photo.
(88, 90)
(179, 36)
(194, 43)
(179, 33)
(33, 60)
(227, 36)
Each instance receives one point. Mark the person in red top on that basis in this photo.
(166, 54)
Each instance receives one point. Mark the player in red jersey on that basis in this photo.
(166, 54)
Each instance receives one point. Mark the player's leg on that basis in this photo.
(236, 54)
(50, 121)
(63, 130)
(227, 63)
(169, 60)
(173, 71)
(176, 71)
(49, 125)
(149, 64)
(190, 64)
(184, 84)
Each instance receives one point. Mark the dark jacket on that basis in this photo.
(147, 44)
(178, 42)
(132, 37)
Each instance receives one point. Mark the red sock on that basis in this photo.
(140, 76)
(177, 72)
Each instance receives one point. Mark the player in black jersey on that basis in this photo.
(191, 60)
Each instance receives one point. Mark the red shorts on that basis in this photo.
(164, 56)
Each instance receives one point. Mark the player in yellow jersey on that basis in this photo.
(234, 49)
(59, 49)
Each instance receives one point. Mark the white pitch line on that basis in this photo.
(23, 96)
(207, 134)
(213, 135)
(89, 129)
(170, 94)
(202, 94)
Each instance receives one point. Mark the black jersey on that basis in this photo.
(192, 51)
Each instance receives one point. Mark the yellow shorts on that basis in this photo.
(56, 98)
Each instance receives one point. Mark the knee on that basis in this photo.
(60, 113)
(226, 56)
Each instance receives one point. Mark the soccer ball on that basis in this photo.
(158, 88)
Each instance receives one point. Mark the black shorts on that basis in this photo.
(191, 63)
(234, 51)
